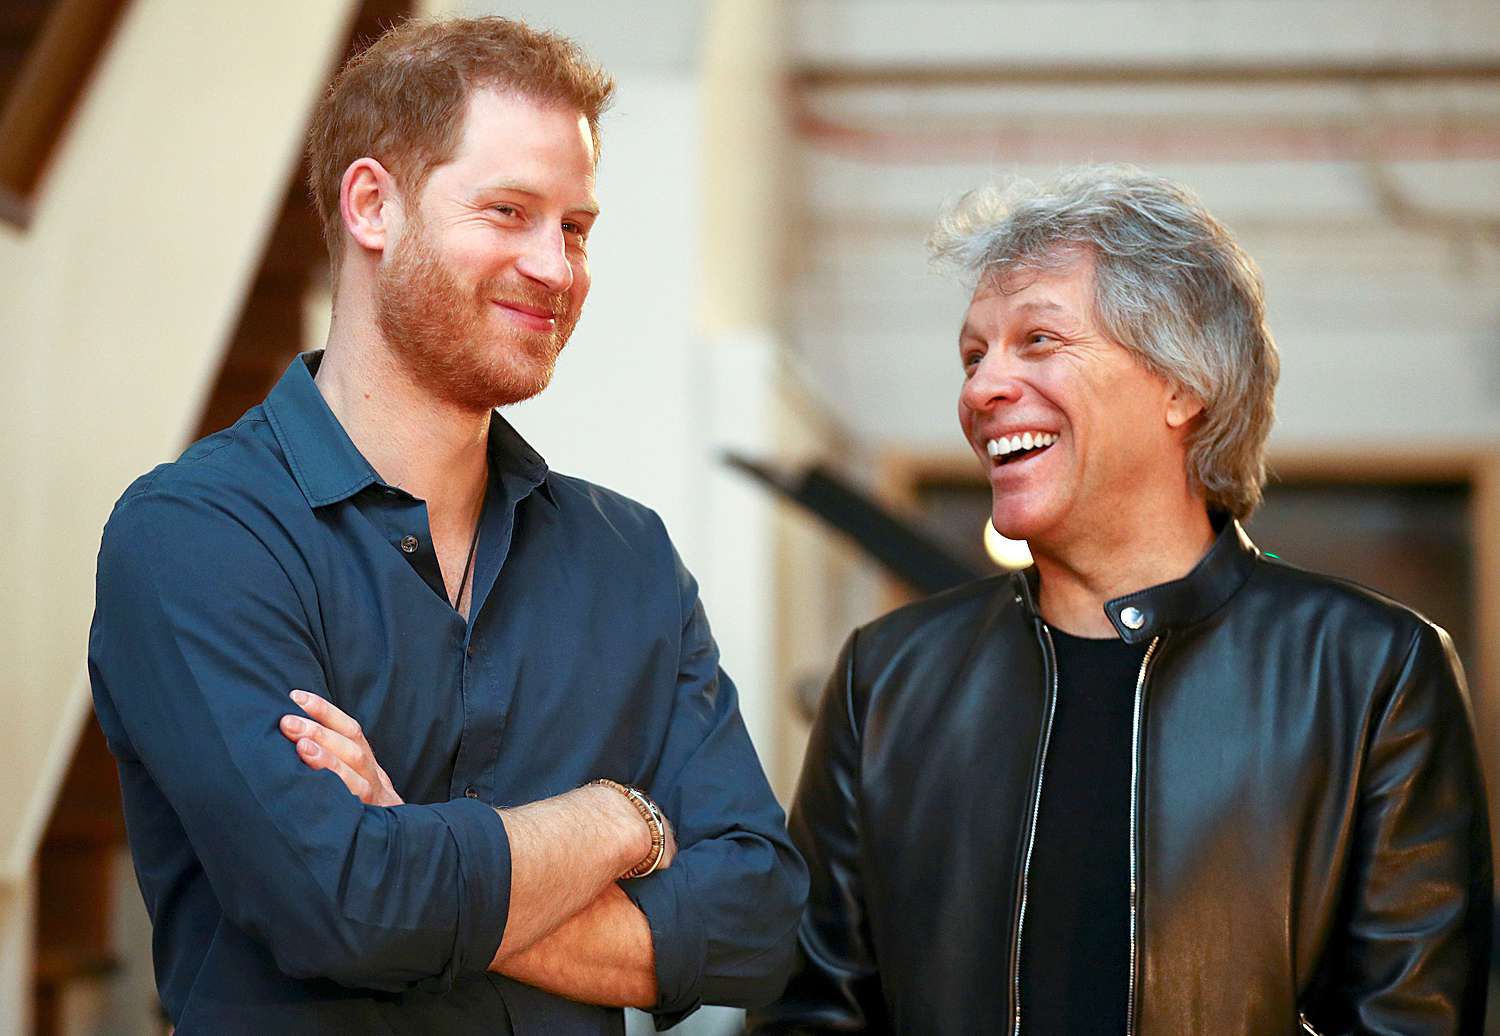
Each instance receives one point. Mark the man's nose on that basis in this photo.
(545, 259)
(992, 381)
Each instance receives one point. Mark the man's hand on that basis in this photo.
(597, 950)
(332, 740)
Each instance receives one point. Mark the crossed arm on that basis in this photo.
(201, 629)
(571, 930)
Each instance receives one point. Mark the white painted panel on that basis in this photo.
(1038, 32)
(624, 407)
(660, 38)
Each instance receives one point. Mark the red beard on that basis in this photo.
(453, 342)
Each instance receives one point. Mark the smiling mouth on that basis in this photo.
(1012, 449)
(529, 315)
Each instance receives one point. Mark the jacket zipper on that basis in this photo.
(1307, 1026)
(1135, 797)
(1036, 808)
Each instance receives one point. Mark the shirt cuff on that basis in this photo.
(483, 882)
(677, 940)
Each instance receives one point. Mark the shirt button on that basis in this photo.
(469, 650)
(1132, 617)
(408, 544)
(471, 793)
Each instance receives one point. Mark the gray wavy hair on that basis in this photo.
(1170, 285)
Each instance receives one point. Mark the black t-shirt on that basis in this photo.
(1075, 952)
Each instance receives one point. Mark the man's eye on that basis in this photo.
(575, 230)
(505, 210)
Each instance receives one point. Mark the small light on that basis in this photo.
(1007, 553)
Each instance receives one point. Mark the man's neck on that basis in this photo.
(426, 446)
(1119, 558)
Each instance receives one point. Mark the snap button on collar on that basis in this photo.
(1132, 617)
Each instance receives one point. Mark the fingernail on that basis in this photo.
(308, 748)
(300, 697)
(295, 724)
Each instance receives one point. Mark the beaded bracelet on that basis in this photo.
(654, 820)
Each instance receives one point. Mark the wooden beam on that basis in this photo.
(47, 91)
(822, 76)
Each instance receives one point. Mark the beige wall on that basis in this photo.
(114, 306)
(746, 151)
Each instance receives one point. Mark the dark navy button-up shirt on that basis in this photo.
(271, 556)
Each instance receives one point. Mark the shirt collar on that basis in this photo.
(1147, 613)
(328, 466)
(509, 452)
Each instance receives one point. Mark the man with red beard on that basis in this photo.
(567, 816)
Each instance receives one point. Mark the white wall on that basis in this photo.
(1040, 33)
(627, 397)
(17, 935)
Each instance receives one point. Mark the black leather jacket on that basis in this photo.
(1309, 846)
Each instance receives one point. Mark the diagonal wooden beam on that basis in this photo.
(45, 94)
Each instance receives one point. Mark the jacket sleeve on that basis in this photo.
(835, 985)
(1415, 953)
(723, 916)
(198, 637)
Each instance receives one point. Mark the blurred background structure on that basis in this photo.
(760, 287)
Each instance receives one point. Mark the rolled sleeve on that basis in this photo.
(677, 937)
(723, 917)
(484, 883)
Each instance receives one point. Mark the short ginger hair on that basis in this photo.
(403, 99)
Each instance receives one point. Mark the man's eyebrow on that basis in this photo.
(590, 207)
(1037, 307)
(1040, 306)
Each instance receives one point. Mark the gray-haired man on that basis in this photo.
(1158, 783)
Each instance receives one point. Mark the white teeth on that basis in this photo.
(1025, 441)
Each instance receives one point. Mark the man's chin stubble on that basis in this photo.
(520, 375)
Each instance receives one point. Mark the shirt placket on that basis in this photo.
(486, 699)
(408, 531)
(405, 524)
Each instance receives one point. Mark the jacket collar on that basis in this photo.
(1147, 613)
(328, 466)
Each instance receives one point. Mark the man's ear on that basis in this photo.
(369, 204)
(1182, 407)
